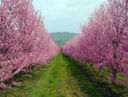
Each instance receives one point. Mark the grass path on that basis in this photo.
(59, 81)
(61, 78)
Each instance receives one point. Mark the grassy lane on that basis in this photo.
(57, 81)
(61, 78)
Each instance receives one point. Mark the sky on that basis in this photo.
(66, 15)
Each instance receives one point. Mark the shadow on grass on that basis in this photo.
(90, 83)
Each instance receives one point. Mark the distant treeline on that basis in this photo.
(61, 38)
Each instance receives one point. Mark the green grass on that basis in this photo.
(101, 80)
(63, 77)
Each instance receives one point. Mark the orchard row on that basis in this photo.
(24, 41)
(104, 41)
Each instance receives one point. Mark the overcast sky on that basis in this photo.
(66, 15)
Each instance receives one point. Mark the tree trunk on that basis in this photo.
(114, 76)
